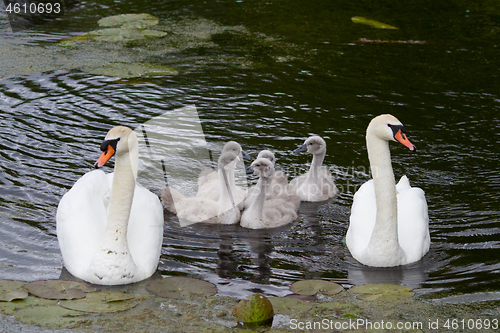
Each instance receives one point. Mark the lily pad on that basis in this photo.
(303, 297)
(311, 287)
(180, 287)
(257, 309)
(125, 34)
(11, 290)
(11, 307)
(287, 305)
(59, 289)
(50, 315)
(136, 21)
(103, 301)
(345, 311)
(126, 70)
(372, 23)
(382, 292)
(72, 41)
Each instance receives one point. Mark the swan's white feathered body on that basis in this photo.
(317, 184)
(389, 224)
(110, 229)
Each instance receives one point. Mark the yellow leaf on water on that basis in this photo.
(372, 23)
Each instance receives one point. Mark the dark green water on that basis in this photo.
(268, 75)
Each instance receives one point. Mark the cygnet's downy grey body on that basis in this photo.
(278, 184)
(271, 213)
(208, 181)
(316, 184)
(199, 209)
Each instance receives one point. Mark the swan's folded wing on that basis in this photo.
(145, 229)
(413, 223)
(403, 184)
(81, 220)
(362, 219)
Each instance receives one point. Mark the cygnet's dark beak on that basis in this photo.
(245, 156)
(248, 170)
(301, 149)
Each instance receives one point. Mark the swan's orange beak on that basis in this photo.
(401, 137)
(105, 156)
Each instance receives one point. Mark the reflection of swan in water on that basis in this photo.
(209, 184)
(278, 184)
(271, 213)
(110, 229)
(412, 275)
(198, 209)
(317, 184)
(389, 224)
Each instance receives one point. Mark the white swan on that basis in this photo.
(270, 213)
(278, 184)
(317, 184)
(389, 224)
(199, 209)
(110, 229)
(208, 181)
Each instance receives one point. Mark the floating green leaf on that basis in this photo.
(72, 41)
(287, 305)
(303, 297)
(382, 292)
(345, 311)
(10, 307)
(135, 21)
(134, 70)
(125, 34)
(180, 287)
(59, 289)
(372, 23)
(50, 315)
(311, 287)
(257, 310)
(103, 301)
(11, 290)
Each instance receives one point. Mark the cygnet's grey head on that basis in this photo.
(262, 167)
(267, 154)
(228, 159)
(313, 145)
(234, 147)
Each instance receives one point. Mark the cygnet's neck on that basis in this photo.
(316, 164)
(257, 205)
(384, 239)
(227, 189)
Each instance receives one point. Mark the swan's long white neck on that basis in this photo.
(384, 238)
(114, 258)
(122, 194)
